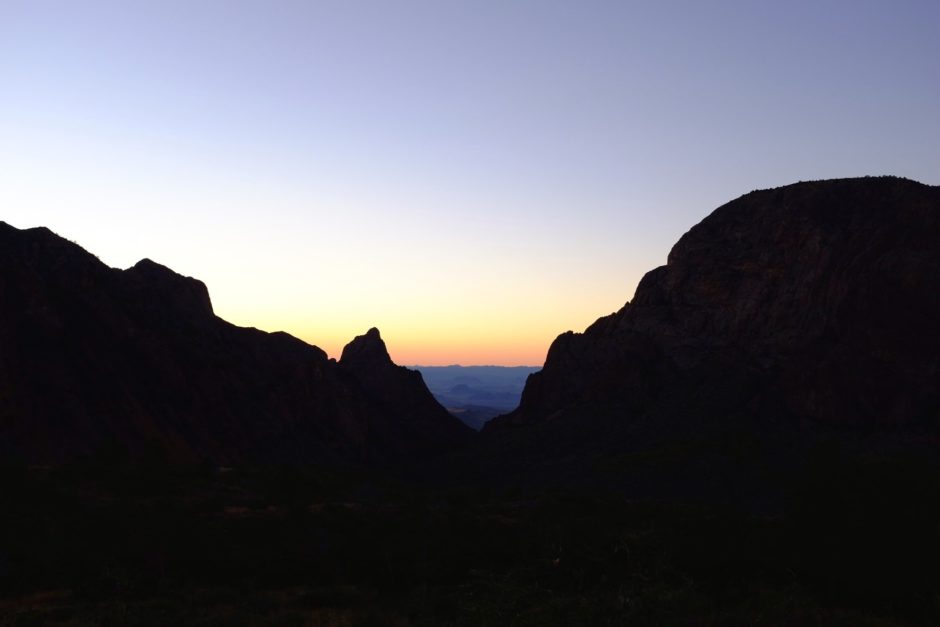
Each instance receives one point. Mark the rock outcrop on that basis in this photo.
(423, 420)
(812, 304)
(97, 361)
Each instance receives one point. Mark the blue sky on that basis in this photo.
(472, 177)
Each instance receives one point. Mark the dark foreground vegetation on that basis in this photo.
(148, 544)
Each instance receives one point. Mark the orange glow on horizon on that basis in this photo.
(433, 351)
(430, 346)
(435, 326)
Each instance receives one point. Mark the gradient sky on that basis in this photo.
(471, 177)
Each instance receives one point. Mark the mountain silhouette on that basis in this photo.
(786, 317)
(95, 360)
(752, 439)
(399, 391)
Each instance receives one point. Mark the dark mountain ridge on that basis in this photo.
(785, 314)
(751, 440)
(828, 287)
(786, 318)
(95, 359)
(398, 391)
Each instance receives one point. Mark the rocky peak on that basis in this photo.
(157, 287)
(95, 358)
(46, 254)
(391, 385)
(366, 351)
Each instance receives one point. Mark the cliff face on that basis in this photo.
(95, 360)
(816, 302)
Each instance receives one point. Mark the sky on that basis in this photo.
(473, 178)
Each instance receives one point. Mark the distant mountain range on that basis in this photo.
(96, 361)
(475, 394)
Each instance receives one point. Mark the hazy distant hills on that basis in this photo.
(787, 317)
(475, 394)
(96, 362)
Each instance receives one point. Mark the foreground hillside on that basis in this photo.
(102, 362)
(156, 545)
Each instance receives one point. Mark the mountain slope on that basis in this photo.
(94, 359)
(828, 288)
(786, 317)
(401, 390)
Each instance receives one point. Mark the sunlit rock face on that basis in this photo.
(815, 303)
(102, 362)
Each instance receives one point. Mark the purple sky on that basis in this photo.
(472, 177)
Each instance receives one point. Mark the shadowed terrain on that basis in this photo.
(749, 441)
(98, 361)
(786, 319)
(823, 290)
